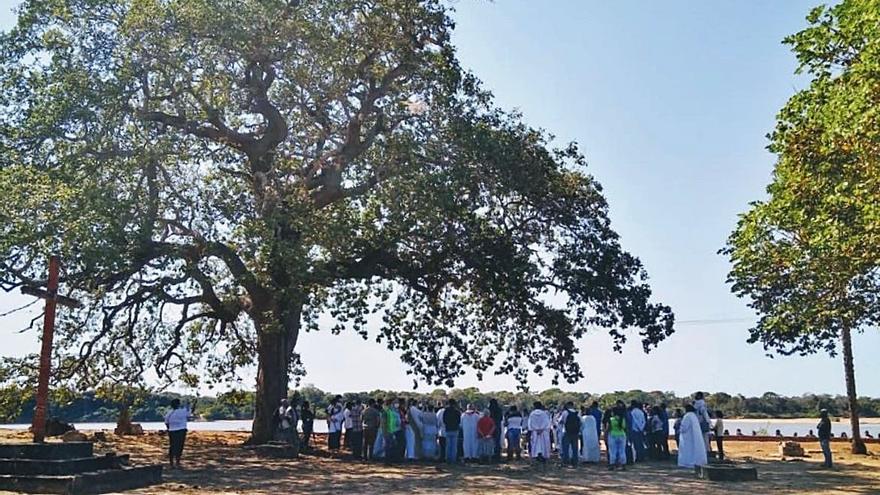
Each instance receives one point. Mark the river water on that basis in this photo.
(768, 427)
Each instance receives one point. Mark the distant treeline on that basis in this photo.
(91, 407)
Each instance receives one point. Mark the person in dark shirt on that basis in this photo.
(452, 423)
(372, 419)
(824, 430)
(308, 424)
(497, 415)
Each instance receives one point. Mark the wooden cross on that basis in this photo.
(50, 294)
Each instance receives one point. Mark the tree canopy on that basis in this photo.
(808, 257)
(217, 175)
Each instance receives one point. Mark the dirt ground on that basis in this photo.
(216, 463)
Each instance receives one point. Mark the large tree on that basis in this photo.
(217, 175)
(809, 256)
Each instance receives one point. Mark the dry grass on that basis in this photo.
(216, 463)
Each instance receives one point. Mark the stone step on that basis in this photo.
(69, 450)
(101, 481)
(57, 467)
(726, 473)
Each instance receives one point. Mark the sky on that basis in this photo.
(671, 103)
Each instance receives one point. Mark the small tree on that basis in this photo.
(809, 256)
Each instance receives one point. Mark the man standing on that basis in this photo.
(539, 429)
(371, 421)
(570, 421)
(664, 438)
(441, 430)
(355, 432)
(497, 415)
(308, 423)
(637, 439)
(824, 431)
(719, 433)
(335, 418)
(451, 425)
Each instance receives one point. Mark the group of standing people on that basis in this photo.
(396, 429)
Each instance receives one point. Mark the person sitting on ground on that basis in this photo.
(778, 433)
(843, 435)
(810, 434)
(739, 432)
(868, 434)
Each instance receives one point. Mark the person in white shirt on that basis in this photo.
(637, 430)
(335, 418)
(514, 425)
(175, 423)
(285, 421)
(441, 429)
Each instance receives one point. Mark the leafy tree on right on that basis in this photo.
(808, 257)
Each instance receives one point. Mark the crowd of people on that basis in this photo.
(397, 430)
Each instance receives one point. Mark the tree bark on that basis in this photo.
(858, 446)
(275, 343)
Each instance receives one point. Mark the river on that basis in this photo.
(768, 427)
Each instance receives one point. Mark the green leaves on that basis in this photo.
(217, 174)
(808, 257)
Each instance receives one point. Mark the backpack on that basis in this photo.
(572, 424)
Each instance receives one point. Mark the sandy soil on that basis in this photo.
(215, 463)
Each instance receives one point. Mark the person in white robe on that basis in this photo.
(691, 447)
(589, 439)
(379, 447)
(539, 429)
(430, 428)
(413, 431)
(470, 441)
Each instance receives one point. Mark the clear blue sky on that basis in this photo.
(671, 102)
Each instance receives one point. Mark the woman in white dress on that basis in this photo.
(590, 440)
(430, 427)
(691, 447)
(413, 431)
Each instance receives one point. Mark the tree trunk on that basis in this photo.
(275, 343)
(858, 446)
